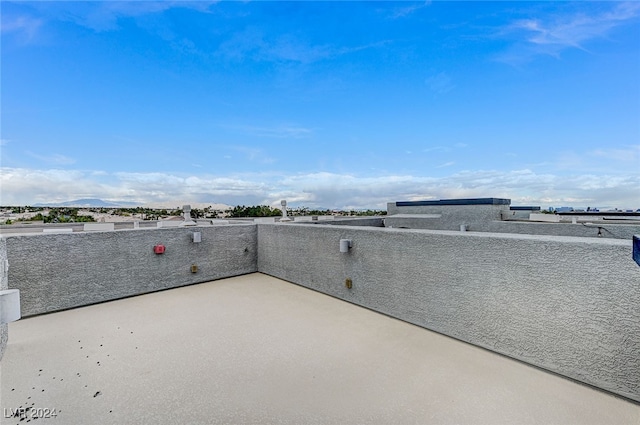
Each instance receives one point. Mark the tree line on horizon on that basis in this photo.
(73, 214)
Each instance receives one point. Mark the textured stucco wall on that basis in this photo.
(3, 285)
(489, 218)
(60, 271)
(569, 305)
(607, 230)
(452, 216)
(446, 222)
(368, 221)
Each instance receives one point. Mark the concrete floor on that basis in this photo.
(254, 349)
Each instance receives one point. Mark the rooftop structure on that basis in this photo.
(235, 339)
(469, 201)
(497, 215)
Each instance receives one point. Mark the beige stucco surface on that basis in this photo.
(255, 349)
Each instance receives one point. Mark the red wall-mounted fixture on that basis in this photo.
(159, 249)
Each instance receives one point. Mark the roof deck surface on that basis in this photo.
(254, 349)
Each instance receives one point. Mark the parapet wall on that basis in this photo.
(446, 221)
(597, 229)
(444, 217)
(4, 284)
(566, 304)
(494, 215)
(360, 221)
(61, 271)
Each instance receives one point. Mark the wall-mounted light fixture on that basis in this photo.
(9, 305)
(345, 245)
(196, 237)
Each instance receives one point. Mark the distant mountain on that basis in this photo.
(87, 203)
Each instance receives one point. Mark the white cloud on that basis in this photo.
(572, 31)
(26, 186)
(318, 189)
(552, 34)
(436, 149)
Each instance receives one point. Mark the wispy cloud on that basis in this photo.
(242, 44)
(440, 83)
(254, 44)
(318, 189)
(550, 35)
(625, 154)
(447, 148)
(284, 131)
(26, 26)
(401, 12)
(291, 49)
(281, 132)
(52, 158)
(621, 159)
(446, 164)
(436, 149)
(251, 43)
(254, 154)
(572, 31)
(104, 16)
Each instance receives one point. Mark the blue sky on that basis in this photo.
(325, 104)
